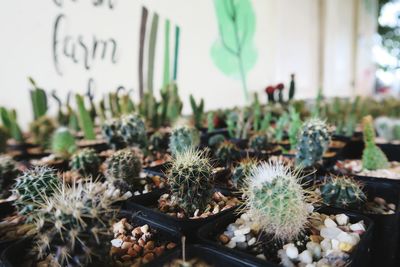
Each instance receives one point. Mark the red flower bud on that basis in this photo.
(270, 89)
(280, 86)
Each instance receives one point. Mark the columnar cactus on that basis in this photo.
(8, 172)
(342, 192)
(124, 165)
(258, 142)
(183, 138)
(42, 130)
(373, 157)
(30, 188)
(190, 179)
(63, 142)
(133, 130)
(276, 200)
(227, 152)
(110, 132)
(314, 138)
(86, 162)
(243, 170)
(157, 141)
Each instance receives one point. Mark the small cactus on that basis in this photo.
(42, 130)
(133, 131)
(30, 188)
(8, 172)
(110, 132)
(3, 139)
(276, 200)
(157, 141)
(342, 192)
(373, 157)
(63, 142)
(191, 180)
(258, 142)
(124, 165)
(183, 138)
(243, 170)
(227, 152)
(215, 140)
(86, 162)
(313, 140)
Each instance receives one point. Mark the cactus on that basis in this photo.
(256, 113)
(110, 132)
(124, 165)
(3, 139)
(174, 105)
(292, 87)
(243, 170)
(210, 122)
(9, 119)
(294, 127)
(63, 142)
(183, 138)
(133, 130)
(313, 141)
(258, 142)
(215, 140)
(396, 131)
(85, 121)
(30, 188)
(276, 201)
(266, 122)
(373, 157)
(39, 100)
(42, 129)
(8, 172)
(280, 127)
(342, 192)
(157, 141)
(227, 152)
(190, 179)
(86, 162)
(198, 112)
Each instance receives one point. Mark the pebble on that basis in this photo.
(392, 206)
(116, 243)
(335, 244)
(305, 257)
(326, 245)
(342, 219)
(346, 247)
(380, 201)
(126, 245)
(291, 251)
(347, 238)
(315, 249)
(224, 239)
(329, 223)
(330, 232)
(357, 227)
(231, 244)
(252, 241)
(144, 228)
(242, 231)
(241, 245)
(311, 265)
(239, 238)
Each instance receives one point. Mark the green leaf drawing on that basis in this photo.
(234, 52)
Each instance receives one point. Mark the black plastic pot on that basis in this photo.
(208, 234)
(162, 168)
(155, 193)
(6, 208)
(240, 143)
(99, 147)
(354, 148)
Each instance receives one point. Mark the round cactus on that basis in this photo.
(63, 142)
(190, 179)
(86, 162)
(110, 132)
(8, 172)
(30, 188)
(3, 139)
(42, 130)
(215, 140)
(314, 138)
(276, 200)
(342, 192)
(227, 152)
(124, 165)
(183, 138)
(258, 142)
(157, 141)
(133, 130)
(242, 170)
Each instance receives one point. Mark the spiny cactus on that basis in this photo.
(63, 142)
(183, 138)
(86, 162)
(198, 111)
(8, 172)
(373, 157)
(258, 142)
(190, 179)
(276, 200)
(294, 127)
(3, 139)
(30, 188)
(215, 140)
(342, 192)
(242, 170)
(314, 138)
(42, 130)
(133, 130)
(73, 224)
(157, 141)
(9, 119)
(227, 152)
(124, 165)
(110, 132)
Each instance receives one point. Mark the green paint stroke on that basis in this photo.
(152, 52)
(234, 52)
(167, 77)
(177, 35)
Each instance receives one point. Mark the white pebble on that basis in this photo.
(357, 227)
(329, 223)
(342, 219)
(326, 244)
(239, 238)
(252, 241)
(315, 249)
(116, 243)
(242, 231)
(346, 238)
(231, 244)
(305, 257)
(311, 265)
(292, 252)
(330, 232)
(335, 244)
(261, 256)
(144, 228)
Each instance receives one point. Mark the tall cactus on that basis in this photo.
(39, 100)
(198, 111)
(85, 120)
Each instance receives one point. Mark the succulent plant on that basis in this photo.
(86, 162)
(8, 172)
(373, 157)
(276, 201)
(110, 132)
(190, 179)
(30, 188)
(157, 141)
(198, 111)
(227, 152)
(42, 130)
(313, 140)
(215, 140)
(342, 192)
(3, 139)
(183, 138)
(294, 127)
(258, 142)
(63, 143)
(243, 170)
(124, 165)
(132, 129)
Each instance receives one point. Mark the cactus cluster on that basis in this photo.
(63, 143)
(124, 165)
(183, 138)
(243, 170)
(157, 141)
(313, 140)
(110, 131)
(276, 200)
(8, 172)
(342, 192)
(191, 180)
(227, 152)
(258, 142)
(42, 129)
(373, 157)
(30, 188)
(86, 162)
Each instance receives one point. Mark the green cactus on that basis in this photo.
(292, 87)
(39, 100)
(294, 127)
(276, 200)
(4, 135)
(62, 118)
(191, 181)
(63, 143)
(42, 129)
(373, 157)
(342, 192)
(9, 119)
(124, 165)
(110, 132)
(30, 188)
(174, 104)
(396, 131)
(227, 152)
(210, 122)
(280, 127)
(8, 172)
(266, 122)
(183, 138)
(256, 113)
(313, 140)
(157, 141)
(243, 170)
(215, 140)
(86, 162)
(198, 112)
(259, 142)
(85, 121)
(133, 130)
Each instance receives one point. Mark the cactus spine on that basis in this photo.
(258, 142)
(124, 165)
(342, 192)
(133, 130)
(227, 152)
(183, 138)
(110, 131)
(86, 162)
